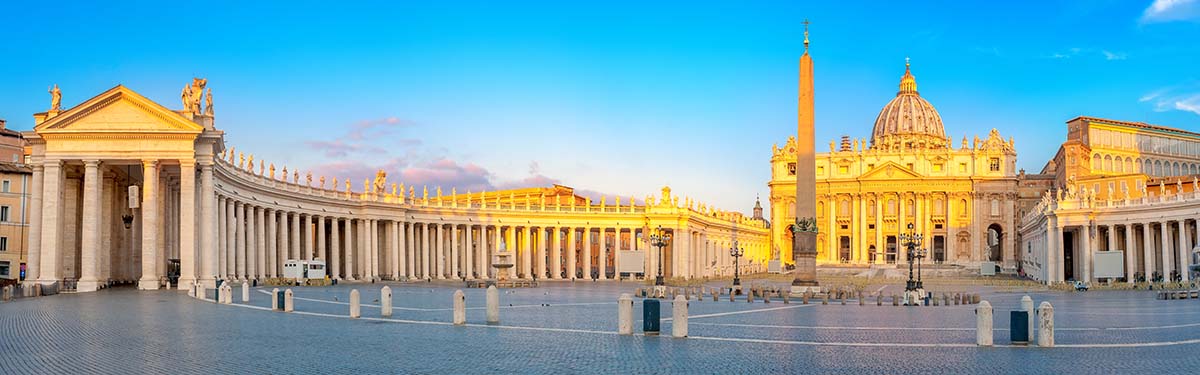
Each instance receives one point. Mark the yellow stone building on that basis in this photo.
(963, 198)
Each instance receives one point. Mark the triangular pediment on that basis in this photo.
(118, 110)
(888, 171)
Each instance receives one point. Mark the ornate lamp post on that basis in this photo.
(920, 255)
(736, 252)
(660, 239)
(911, 242)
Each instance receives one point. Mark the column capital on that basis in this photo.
(56, 163)
(91, 163)
(187, 162)
(149, 162)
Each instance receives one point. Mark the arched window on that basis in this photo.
(891, 207)
(963, 203)
(844, 207)
(939, 207)
(1118, 166)
(1108, 167)
(1128, 165)
(873, 208)
(1096, 162)
(820, 208)
(910, 208)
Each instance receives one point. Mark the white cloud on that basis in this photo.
(1171, 10)
(1087, 53)
(1109, 55)
(1183, 97)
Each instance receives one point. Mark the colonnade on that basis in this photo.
(1152, 247)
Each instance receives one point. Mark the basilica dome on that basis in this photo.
(908, 121)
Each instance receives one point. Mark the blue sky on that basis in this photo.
(611, 97)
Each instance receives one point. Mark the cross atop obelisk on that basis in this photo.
(804, 230)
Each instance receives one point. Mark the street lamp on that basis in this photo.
(920, 255)
(911, 242)
(736, 252)
(660, 239)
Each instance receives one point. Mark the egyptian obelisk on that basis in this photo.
(804, 244)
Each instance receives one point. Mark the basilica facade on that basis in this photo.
(125, 190)
(908, 177)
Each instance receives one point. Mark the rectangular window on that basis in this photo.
(994, 164)
(4, 213)
(821, 170)
(5, 186)
(962, 167)
(937, 167)
(5, 268)
(870, 226)
(843, 170)
(791, 168)
(3, 243)
(910, 166)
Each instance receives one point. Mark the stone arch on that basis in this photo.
(1128, 165)
(1096, 166)
(1108, 166)
(995, 242)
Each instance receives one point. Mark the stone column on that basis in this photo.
(150, 229)
(230, 241)
(1148, 249)
(241, 223)
(1057, 241)
(425, 261)
(602, 252)
(1085, 241)
(88, 264)
(272, 242)
(537, 250)
(360, 250)
(1167, 263)
(571, 254)
(260, 243)
(208, 227)
(335, 253)
(454, 252)
(587, 252)
(1184, 248)
(481, 253)
(221, 239)
(294, 251)
(348, 248)
(1129, 249)
(34, 248)
(526, 256)
(880, 247)
(469, 252)
(320, 229)
(439, 248)
(187, 224)
(410, 251)
(556, 253)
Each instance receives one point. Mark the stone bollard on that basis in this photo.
(460, 308)
(714, 294)
(493, 305)
(625, 315)
(227, 295)
(825, 298)
(355, 309)
(245, 292)
(766, 297)
(1045, 335)
(861, 301)
(842, 296)
(975, 298)
(879, 299)
(731, 295)
(933, 300)
(945, 299)
(1027, 306)
(804, 298)
(750, 297)
(275, 300)
(385, 301)
(787, 297)
(957, 299)
(288, 305)
(983, 324)
(637, 292)
(679, 321)
(895, 301)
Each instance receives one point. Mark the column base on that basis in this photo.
(208, 283)
(184, 284)
(147, 284)
(87, 286)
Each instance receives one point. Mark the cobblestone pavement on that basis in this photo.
(565, 328)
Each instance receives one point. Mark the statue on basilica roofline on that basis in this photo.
(197, 91)
(322, 182)
(380, 181)
(308, 178)
(208, 107)
(55, 98)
